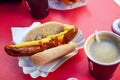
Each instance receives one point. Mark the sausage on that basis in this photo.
(70, 2)
(27, 50)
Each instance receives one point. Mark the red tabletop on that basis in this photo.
(96, 15)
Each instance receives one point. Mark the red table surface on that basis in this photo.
(96, 15)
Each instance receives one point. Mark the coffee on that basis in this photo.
(104, 55)
(105, 51)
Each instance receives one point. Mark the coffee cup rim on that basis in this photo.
(98, 62)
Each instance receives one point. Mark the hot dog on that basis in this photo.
(43, 37)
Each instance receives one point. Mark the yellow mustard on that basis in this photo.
(47, 39)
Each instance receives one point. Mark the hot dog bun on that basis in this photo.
(51, 54)
(43, 37)
(48, 28)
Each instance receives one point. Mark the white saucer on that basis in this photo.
(58, 5)
(115, 26)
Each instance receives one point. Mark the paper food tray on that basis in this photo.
(26, 63)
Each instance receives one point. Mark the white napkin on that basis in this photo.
(19, 33)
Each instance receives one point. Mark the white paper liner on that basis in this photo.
(58, 5)
(18, 34)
